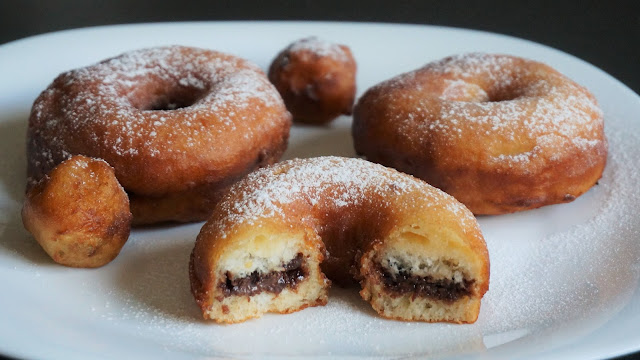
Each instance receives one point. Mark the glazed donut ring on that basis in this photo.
(499, 133)
(178, 124)
(417, 252)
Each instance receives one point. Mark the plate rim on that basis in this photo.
(61, 33)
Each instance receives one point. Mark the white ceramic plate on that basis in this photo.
(564, 278)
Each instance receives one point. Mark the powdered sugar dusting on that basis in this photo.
(575, 269)
(558, 273)
(320, 48)
(539, 282)
(78, 169)
(335, 181)
(550, 278)
(463, 97)
(106, 104)
(461, 89)
(563, 269)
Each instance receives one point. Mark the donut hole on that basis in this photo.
(469, 91)
(502, 94)
(510, 87)
(177, 99)
(464, 91)
(487, 92)
(166, 99)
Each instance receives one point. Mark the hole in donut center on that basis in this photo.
(503, 95)
(169, 99)
(477, 93)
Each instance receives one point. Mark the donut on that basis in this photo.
(317, 80)
(178, 124)
(500, 133)
(282, 234)
(79, 213)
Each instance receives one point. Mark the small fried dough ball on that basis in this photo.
(79, 213)
(317, 80)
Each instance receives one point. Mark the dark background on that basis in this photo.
(604, 33)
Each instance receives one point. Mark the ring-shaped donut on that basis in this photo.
(416, 251)
(178, 124)
(499, 133)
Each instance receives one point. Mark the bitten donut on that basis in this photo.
(316, 79)
(178, 125)
(499, 133)
(79, 213)
(276, 237)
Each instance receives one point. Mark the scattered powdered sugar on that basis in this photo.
(78, 169)
(466, 66)
(580, 272)
(319, 47)
(556, 278)
(542, 107)
(461, 89)
(560, 270)
(549, 276)
(335, 181)
(105, 106)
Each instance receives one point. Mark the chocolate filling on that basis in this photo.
(294, 272)
(419, 286)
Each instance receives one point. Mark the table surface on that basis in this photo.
(604, 33)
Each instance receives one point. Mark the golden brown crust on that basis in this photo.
(79, 213)
(170, 120)
(351, 210)
(317, 80)
(195, 204)
(499, 133)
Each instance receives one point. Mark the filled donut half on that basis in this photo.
(283, 234)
